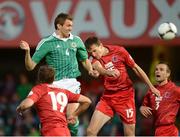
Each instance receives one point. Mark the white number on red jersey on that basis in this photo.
(157, 100)
(60, 99)
(129, 113)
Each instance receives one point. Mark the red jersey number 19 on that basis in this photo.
(60, 99)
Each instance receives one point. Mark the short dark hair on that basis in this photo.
(90, 41)
(60, 19)
(167, 65)
(46, 74)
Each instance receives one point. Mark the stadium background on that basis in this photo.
(131, 23)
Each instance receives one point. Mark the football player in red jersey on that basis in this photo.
(118, 97)
(51, 103)
(165, 108)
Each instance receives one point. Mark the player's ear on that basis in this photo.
(168, 74)
(59, 26)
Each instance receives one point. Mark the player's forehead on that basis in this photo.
(161, 66)
(93, 48)
(68, 22)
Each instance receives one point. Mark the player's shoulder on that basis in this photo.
(40, 87)
(177, 89)
(54, 88)
(75, 37)
(44, 41)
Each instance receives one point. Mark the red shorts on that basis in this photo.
(58, 131)
(167, 130)
(122, 103)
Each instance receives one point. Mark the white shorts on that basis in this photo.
(70, 84)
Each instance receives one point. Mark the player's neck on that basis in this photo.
(163, 83)
(61, 35)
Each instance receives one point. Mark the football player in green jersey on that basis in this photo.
(62, 51)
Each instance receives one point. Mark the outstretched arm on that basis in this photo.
(29, 63)
(25, 104)
(88, 66)
(112, 73)
(139, 72)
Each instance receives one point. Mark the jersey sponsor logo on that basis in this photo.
(109, 66)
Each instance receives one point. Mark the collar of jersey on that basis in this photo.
(63, 39)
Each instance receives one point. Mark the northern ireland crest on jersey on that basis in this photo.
(73, 45)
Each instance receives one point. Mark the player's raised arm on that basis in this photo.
(29, 63)
(87, 65)
(139, 72)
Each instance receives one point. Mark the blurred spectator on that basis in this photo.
(9, 84)
(24, 86)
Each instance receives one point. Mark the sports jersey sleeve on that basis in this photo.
(146, 99)
(81, 50)
(41, 51)
(72, 97)
(35, 94)
(178, 95)
(128, 59)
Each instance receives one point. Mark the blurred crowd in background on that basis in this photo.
(14, 89)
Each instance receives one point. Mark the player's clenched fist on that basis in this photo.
(24, 45)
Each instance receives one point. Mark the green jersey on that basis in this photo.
(61, 54)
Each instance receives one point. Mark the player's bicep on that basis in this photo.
(83, 99)
(81, 51)
(27, 103)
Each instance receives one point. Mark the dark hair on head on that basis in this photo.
(46, 74)
(90, 41)
(167, 65)
(60, 19)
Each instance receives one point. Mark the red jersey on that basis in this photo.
(164, 108)
(117, 58)
(51, 104)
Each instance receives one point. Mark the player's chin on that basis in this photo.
(159, 80)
